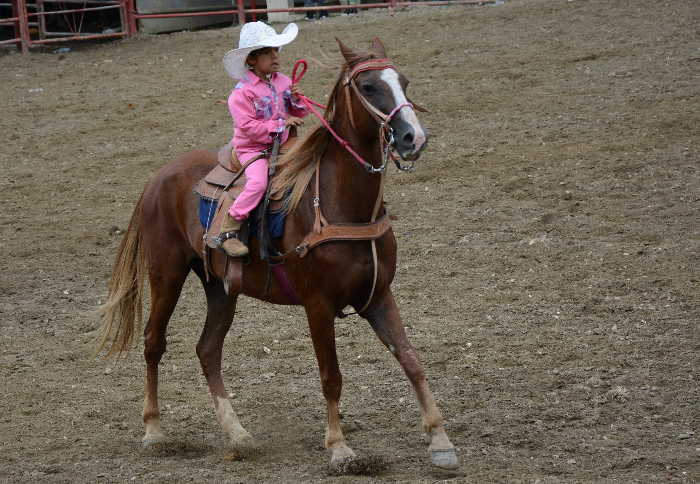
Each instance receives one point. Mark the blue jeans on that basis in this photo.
(315, 14)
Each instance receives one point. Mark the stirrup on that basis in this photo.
(231, 234)
(219, 240)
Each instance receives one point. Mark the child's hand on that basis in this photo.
(293, 121)
(296, 91)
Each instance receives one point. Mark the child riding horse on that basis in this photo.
(368, 115)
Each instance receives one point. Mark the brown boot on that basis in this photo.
(229, 234)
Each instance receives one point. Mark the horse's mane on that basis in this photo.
(296, 167)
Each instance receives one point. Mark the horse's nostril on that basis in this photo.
(408, 137)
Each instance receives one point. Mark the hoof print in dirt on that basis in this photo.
(359, 466)
(233, 456)
(247, 448)
(175, 449)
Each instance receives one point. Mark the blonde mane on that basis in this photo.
(297, 166)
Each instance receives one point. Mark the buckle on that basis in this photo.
(232, 234)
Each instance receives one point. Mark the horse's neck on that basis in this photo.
(348, 191)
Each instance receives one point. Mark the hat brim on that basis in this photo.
(234, 60)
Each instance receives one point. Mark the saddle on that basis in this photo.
(219, 188)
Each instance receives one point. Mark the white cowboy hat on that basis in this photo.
(255, 35)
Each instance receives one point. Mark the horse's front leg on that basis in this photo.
(384, 317)
(322, 328)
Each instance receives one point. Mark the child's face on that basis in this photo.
(265, 61)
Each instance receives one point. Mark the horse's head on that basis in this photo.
(381, 88)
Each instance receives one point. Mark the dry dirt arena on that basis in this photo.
(548, 255)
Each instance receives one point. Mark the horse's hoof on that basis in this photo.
(149, 440)
(444, 458)
(244, 443)
(341, 465)
(341, 457)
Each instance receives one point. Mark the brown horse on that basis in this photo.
(164, 242)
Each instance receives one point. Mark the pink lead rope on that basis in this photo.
(309, 103)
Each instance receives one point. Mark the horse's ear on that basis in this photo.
(378, 47)
(347, 52)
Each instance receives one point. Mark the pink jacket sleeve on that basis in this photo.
(243, 113)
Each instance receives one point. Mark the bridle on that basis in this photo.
(386, 132)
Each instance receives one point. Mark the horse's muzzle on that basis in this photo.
(409, 139)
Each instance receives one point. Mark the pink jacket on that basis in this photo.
(259, 110)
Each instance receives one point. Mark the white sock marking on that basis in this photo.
(227, 417)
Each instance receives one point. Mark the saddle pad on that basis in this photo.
(207, 210)
(275, 218)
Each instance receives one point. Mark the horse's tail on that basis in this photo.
(122, 315)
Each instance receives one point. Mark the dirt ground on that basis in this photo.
(548, 255)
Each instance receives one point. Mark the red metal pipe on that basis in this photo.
(25, 39)
(77, 34)
(315, 8)
(445, 2)
(241, 11)
(372, 5)
(74, 10)
(131, 16)
(130, 12)
(10, 41)
(83, 2)
(9, 20)
(305, 9)
(15, 25)
(184, 14)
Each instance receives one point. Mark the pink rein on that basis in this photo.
(309, 103)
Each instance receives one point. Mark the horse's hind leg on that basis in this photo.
(386, 322)
(220, 311)
(166, 279)
(321, 326)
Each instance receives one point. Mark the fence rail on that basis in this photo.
(21, 19)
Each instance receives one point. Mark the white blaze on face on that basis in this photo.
(391, 77)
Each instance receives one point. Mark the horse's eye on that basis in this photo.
(367, 88)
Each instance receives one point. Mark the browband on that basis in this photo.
(369, 65)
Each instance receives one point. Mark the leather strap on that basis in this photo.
(375, 211)
(342, 232)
